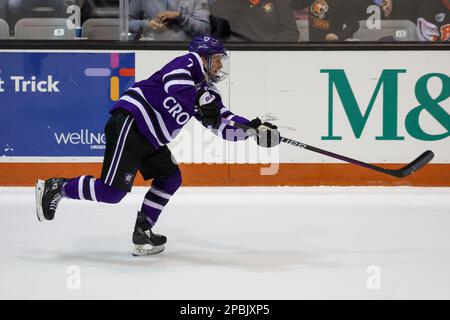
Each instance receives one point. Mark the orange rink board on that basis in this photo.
(289, 174)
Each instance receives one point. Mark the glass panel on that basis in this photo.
(269, 21)
(124, 22)
(176, 20)
(331, 20)
(59, 19)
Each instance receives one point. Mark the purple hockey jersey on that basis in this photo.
(162, 104)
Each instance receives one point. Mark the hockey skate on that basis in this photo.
(145, 241)
(48, 196)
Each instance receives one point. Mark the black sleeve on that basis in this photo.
(349, 16)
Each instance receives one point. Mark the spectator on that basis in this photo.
(401, 9)
(395, 9)
(392, 10)
(169, 19)
(258, 20)
(330, 20)
(433, 23)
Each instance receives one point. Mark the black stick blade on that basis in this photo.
(415, 165)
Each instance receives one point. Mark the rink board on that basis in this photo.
(382, 107)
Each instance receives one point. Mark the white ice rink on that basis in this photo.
(234, 243)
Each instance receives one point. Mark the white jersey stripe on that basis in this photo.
(121, 151)
(213, 88)
(177, 71)
(160, 193)
(222, 126)
(144, 114)
(92, 188)
(161, 122)
(115, 151)
(150, 221)
(224, 109)
(178, 83)
(153, 204)
(200, 61)
(80, 187)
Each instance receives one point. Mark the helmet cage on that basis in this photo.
(220, 74)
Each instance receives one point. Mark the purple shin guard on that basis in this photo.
(159, 195)
(89, 188)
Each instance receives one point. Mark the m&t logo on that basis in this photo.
(389, 82)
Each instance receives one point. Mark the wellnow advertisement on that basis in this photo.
(57, 104)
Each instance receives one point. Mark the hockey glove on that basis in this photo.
(207, 109)
(267, 135)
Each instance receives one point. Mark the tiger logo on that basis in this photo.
(319, 8)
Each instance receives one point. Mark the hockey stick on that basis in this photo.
(410, 168)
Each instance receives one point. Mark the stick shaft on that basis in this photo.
(400, 173)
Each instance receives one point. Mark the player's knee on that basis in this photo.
(177, 179)
(169, 183)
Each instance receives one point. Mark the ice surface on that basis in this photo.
(234, 243)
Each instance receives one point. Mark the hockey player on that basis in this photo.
(142, 122)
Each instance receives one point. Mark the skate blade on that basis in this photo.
(140, 250)
(39, 190)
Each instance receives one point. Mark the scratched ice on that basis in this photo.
(234, 243)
